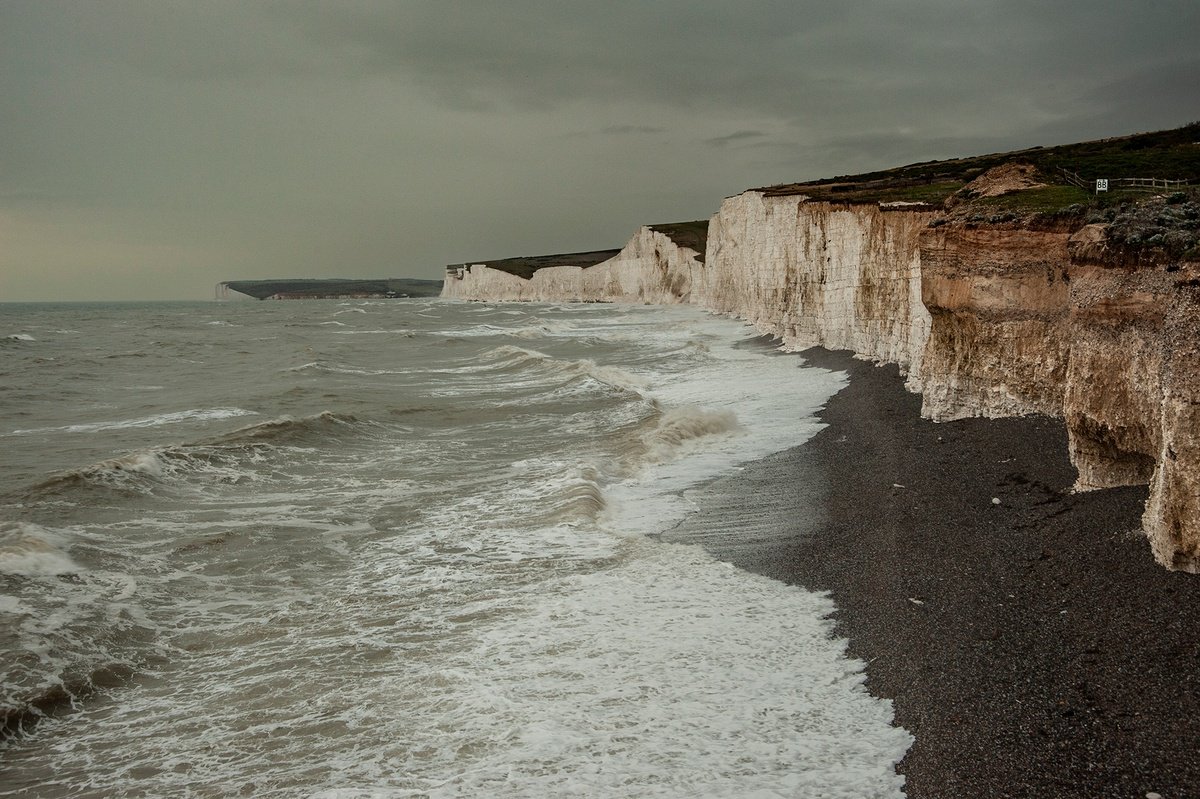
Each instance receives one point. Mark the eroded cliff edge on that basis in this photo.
(992, 317)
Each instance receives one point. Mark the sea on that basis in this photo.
(407, 548)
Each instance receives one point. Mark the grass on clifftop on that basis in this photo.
(1169, 154)
(525, 266)
(1045, 199)
(693, 235)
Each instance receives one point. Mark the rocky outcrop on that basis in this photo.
(987, 319)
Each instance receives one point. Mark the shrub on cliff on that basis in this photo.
(1169, 225)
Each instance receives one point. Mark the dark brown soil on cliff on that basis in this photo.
(525, 266)
(1032, 646)
(693, 235)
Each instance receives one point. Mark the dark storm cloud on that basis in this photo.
(766, 57)
(145, 143)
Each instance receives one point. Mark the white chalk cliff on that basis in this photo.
(650, 269)
(984, 320)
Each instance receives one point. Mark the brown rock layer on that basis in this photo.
(997, 298)
(1172, 518)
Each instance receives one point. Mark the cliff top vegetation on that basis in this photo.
(1169, 154)
(524, 266)
(693, 235)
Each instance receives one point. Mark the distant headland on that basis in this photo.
(326, 289)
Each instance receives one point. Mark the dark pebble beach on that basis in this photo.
(1031, 644)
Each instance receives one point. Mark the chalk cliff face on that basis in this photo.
(1114, 381)
(997, 297)
(1174, 505)
(651, 268)
(481, 282)
(1132, 398)
(986, 320)
(838, 276)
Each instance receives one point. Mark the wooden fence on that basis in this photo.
(1132, 184)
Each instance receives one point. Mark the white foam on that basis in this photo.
(316, 366)
(668, 675)
(30, 551)
(476, 611)
(196, 415)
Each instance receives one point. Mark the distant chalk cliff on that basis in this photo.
(988, 312)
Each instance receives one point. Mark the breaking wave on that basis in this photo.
(24, 552)
(537, 328)
(318, 366)
(665, 435)
(94, 638)
(678, 426)
(226, 458)
(510, 357)
(197, 415)
(143, 471)
(289, 429)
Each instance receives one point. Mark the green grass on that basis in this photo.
(1170, 154)
(1047, 199)
(933, 193)
(525, 266)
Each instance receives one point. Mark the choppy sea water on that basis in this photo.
(404, 549)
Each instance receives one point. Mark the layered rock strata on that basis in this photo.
(997, 298)
(985, 319)
(1132, 397)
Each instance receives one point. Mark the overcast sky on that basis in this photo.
(151, 149)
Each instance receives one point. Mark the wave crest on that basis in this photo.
(509, 356)
(667, 434)
(287, 429)
(226, 458)
(27, 551)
